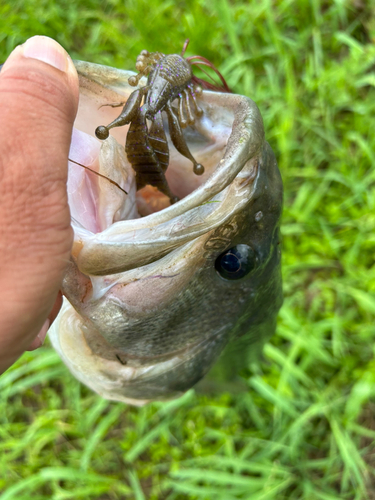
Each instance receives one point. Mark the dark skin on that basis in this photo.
(38, 102)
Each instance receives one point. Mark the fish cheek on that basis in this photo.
(247, 271)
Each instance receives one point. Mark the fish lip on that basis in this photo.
(72, 346)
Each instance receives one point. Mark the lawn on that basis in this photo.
(306, 427)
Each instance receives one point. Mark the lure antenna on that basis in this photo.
(185, 46)
(202, 61)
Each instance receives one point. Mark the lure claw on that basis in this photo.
(102, 132)
(198, 169)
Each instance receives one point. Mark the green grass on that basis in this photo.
(306, 427)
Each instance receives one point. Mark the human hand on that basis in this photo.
(38, 104)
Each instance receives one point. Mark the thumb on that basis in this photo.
(38, 104)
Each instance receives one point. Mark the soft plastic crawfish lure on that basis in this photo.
(169, 77)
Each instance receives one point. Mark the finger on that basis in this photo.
(56, 308)
(38, 103)
(40, 338)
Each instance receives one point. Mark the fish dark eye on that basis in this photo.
(236, 262)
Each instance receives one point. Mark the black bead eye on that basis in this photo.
(236, 262)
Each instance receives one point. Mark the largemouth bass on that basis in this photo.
(157, 293)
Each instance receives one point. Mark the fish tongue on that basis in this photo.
(97, 202)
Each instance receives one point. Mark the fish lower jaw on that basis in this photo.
(110, 379)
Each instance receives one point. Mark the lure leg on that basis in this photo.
(128, 113)
(181, 118)
(184, 98)
(192, 92)
(190, 117)
(179, 140)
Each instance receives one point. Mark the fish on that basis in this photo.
(158, 295)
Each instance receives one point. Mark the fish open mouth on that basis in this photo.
(226, 140)
(98, 201)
